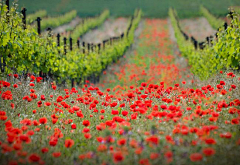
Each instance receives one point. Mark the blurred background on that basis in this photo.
(151, 8)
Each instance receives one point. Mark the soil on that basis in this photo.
(71, 25)
(199, 28)
(110, 28)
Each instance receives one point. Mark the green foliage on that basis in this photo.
(57, 21)
(24, 51)
(88, 24)
(223, 54)
(214, 22)
(33, 17)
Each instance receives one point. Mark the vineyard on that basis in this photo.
(134, 82)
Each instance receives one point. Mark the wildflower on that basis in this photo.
(34, 158)
(208, 151)
(121, 142)
(86, 123)
(56, 154)
(210, 141)
(44, 150)
(69, 143)
(124, 113)
(43, 120)
(73, 126)
(118, 157)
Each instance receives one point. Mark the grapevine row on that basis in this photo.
(222, 53)
(59, 20)
(24, 51)
(32, 17)
(89, 24)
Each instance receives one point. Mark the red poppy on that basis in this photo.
(86, 123)
(196, 157)
(86, 130)
(209, 151)
(124, 113)
(44, 150)
(73, 126)
(56, 154)
(102, 148)
(69, 143)
(43, 120)
(154, 156)
(25, 138)
(87, 135)
(34, 158)
(152, 139)
(210, 141)
(121, 142)
(235, 121)
(144, 162)
(168, 155)
(118, 157)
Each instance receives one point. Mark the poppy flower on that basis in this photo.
(53, 142)
(235, 121)
(154, 156)
(86, 130)
(124, 113)
(168, 155)
(153, 139)
(196, 157)
(86, 123)
(102, 148)
(144, 162)
(73, 126)
(69, 143)
(17, 146)
(43, 120)
(56, 154)
(87, 135)
(34, 158)
(44, 150)
(121, 142)
(118, 157)
(210, 141)
(209, 151)
(25, 138)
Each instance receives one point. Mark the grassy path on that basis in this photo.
(152, 61)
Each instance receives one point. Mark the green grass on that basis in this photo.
(151, 8)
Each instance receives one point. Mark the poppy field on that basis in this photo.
(157, 121)
(150, 105)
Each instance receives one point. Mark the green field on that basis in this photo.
(151, 8)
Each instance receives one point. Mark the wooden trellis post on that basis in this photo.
(83, 45)
(65, 45)
(24, 18)
(39, 25)
(58, 39)
(88, 46)
(99, 47)
(78, 44)
(92, 47)
(70, 42)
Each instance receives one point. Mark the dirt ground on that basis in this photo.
(199, 28)
(71, 25)
(110, 28)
